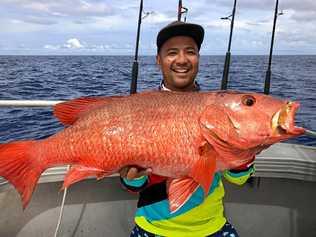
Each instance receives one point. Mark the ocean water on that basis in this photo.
(67, 77)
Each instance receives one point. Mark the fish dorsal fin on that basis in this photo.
(68, 112)
(78, 173)
(179, 191)
(203, 170)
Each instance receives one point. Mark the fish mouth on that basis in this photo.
(283, 121)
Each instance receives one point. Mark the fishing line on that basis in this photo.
(61, 212)
(310, 133)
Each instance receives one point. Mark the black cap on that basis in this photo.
(180, 28)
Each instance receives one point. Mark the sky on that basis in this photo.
(108, 27)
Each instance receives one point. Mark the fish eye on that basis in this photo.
(248, 100)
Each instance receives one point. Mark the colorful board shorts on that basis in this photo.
(227, 231)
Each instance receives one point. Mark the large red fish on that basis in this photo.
(183, 136)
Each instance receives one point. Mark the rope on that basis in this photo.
(61, 209)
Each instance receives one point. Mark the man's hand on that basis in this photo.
(134, 172)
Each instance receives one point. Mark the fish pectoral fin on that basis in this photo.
(78, 173)
(179, 191)
(203, 170)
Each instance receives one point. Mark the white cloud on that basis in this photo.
(64, 7)
(39, 20)
(51, 47)
(158, 17)
(37, 6)
(73, 44)
(214, 24)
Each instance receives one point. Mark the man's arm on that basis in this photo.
(241, 174)
(136, 179)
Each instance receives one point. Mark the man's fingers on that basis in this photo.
(134, 173)
(145, 172)
(124, 171)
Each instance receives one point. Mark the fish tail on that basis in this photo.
(18, 167)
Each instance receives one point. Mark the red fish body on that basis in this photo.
(183, 136)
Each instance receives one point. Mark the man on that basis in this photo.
(178, 46)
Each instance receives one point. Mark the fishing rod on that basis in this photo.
(182, 10)
(228, 54)
(179, 10)
(268, 72)
(133, 88)
(267, 82)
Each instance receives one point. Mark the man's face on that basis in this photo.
(179, 62)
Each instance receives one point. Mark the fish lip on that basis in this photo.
(283, 121)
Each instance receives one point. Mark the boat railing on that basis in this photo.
(29, 103)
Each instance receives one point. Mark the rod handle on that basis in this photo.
(134, 77)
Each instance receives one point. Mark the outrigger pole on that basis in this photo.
(135, 63)
(228, 54)
(268, 72)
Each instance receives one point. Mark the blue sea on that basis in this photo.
(67, 77)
